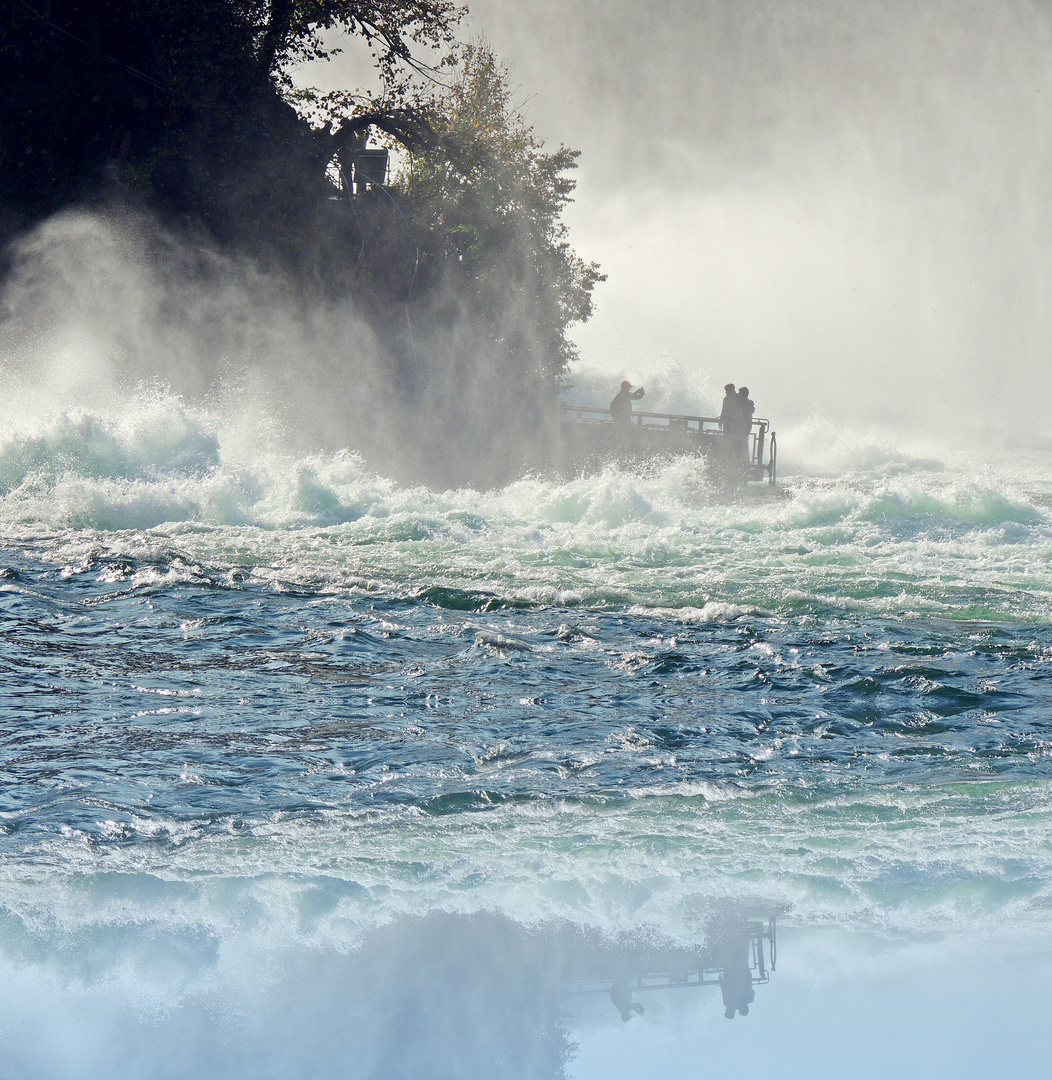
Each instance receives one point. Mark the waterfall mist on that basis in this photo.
(102, 308)
(844, 205)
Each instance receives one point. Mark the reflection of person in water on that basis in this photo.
(621, 406)
(729, 942)
(621, 996)
(736, 987)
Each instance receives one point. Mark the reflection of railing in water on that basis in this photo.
(692, 433)
(706, 972)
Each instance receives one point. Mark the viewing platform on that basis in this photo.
(590, 436)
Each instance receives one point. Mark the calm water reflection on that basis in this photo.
(848, 1003)
(480, 996)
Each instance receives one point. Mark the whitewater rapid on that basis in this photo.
(867, 522)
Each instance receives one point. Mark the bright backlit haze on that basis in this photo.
(844, 205)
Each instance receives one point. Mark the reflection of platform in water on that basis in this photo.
(681, 969)
(589, 438)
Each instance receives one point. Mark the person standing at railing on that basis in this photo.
(731, 426)
(621, 406)
(729, 412)
(746, 408)
(736, 424)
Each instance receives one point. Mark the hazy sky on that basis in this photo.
(846, 204)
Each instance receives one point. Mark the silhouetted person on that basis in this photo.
(621, 406)
(729, 411)
(730, 454)
(621, 996)
(746, 408)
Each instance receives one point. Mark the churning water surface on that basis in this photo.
(308, 774)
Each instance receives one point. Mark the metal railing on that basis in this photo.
(682, 424)
(652, 420)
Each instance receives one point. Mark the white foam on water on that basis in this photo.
(972, 537)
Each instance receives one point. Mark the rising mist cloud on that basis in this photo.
(844, 204)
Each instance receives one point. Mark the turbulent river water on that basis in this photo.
(308, 774)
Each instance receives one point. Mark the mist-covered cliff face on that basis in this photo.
(843, 205)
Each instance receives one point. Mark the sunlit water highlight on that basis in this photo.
(258, 705)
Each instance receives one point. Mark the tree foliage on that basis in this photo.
(186, 102)
(497, 244)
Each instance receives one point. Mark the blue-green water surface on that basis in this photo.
(255, 709)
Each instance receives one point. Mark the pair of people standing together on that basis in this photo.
(736, 421)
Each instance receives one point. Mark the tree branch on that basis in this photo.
(275, 34)
(412, 131)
